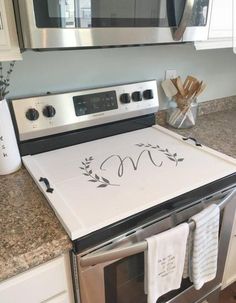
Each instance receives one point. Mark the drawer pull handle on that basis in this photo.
(46, 182)
(193, 139)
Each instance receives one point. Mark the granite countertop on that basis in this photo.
(216, 130)
(30, 232)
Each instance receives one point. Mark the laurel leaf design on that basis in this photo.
(102, 185)
(96, 176)
(105, 180)
(170, 156)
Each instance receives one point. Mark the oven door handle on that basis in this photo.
(113, 254)
(118, 253)
(126, 251)
(178, 32)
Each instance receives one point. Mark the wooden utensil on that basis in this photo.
(169, 88)
(190, 84)
(189, 81)
(192, 91)
(180, 86)
(201, 88)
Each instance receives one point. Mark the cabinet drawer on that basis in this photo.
(36, 285)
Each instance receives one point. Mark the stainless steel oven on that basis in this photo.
(47, 24)
(113, 271)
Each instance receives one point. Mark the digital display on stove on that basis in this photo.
(95, 103)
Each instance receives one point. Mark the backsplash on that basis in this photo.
(59, 71)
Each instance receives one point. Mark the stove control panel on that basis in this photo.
(95, 103)
(52, 114)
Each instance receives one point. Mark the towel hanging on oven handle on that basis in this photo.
(133, 249)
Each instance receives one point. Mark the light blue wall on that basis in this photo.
(60, 71)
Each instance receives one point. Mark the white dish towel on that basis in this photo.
(164, 261)
(203, 259)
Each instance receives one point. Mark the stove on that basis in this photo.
(105, 168)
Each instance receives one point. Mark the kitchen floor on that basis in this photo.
(228, 295)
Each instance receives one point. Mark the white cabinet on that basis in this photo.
(50, 282)
(230, 266)
(221, 19)
(221, 26)
(9, 47)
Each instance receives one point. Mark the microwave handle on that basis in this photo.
(178, 32)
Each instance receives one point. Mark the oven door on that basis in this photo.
(114, 272)
(87, 23)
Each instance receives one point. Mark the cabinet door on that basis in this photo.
(4, 31)
(9, 46)
(42, 283)
(221, 19)
(221, 26)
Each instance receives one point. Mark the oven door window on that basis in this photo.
(115, 13)
(124, 282)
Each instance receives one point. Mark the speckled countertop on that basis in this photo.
(30, 233)
(216, 130)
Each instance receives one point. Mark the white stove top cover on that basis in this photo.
(100, 182)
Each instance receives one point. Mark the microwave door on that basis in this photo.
(179, 16)
(189, 19)
(112, 13)
(130, 14)
(64, 11)
(198, 27)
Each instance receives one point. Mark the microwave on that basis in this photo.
(53, 24)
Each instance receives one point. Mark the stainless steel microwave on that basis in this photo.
(50, 24)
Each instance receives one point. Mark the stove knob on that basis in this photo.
(49, 111)
(32, 114)
(148, 94)
(137, 96)
(125, 98)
